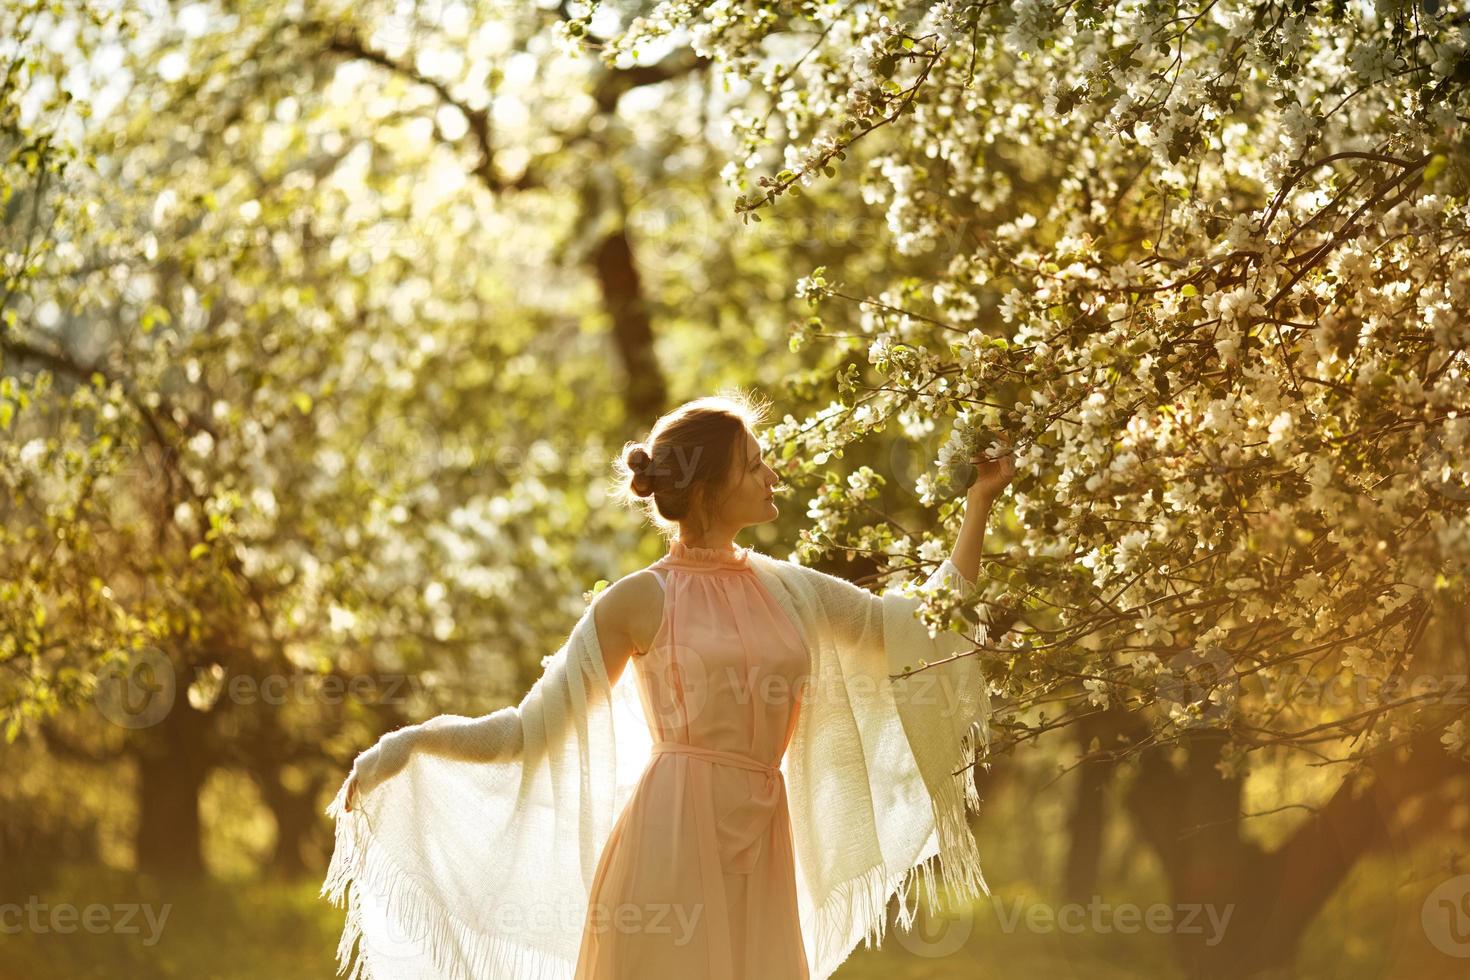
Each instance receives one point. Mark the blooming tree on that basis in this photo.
(1206, 265)
(1202, 264)
(301, 432)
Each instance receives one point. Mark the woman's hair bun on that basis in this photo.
(705, 436)
(639, 462)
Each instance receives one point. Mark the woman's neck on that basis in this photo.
(719, 541)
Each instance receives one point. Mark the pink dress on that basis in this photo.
(697, 879)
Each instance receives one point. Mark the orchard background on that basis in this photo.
(321, 324)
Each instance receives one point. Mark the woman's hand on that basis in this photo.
(391, 753)
(992, 475)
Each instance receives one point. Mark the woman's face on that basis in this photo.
(748, 498)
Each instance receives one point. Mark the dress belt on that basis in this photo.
(717, 756)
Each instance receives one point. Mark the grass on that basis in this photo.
(1374, 927)
(201, 930)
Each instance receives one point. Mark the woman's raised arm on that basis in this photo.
(991, 477)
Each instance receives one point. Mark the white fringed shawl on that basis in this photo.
(471, 851)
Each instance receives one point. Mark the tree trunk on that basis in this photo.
(1088, 817)
(172, 766)
(1191, 819)
(296, 823)
(622, 296)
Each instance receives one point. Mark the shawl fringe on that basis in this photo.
(960, 864)
(868, 894)
(458, 950)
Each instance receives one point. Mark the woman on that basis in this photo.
(705, 866)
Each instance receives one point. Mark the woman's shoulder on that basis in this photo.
(634, 606)
(814, 584)
(793, 575)
(785, 567)
(770, 561)
(639, 588)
